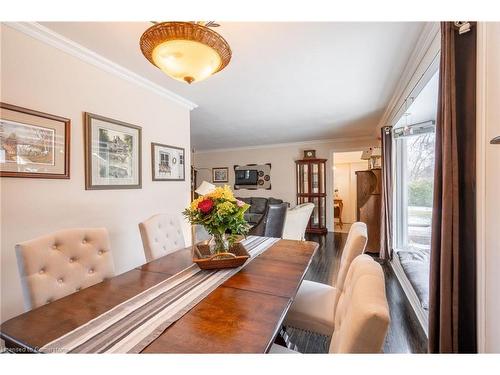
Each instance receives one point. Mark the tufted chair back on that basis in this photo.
(296, 221)
(354, 246)
(362, 316)
(61, 263)
(161, 235)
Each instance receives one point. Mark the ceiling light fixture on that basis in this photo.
(186, 51)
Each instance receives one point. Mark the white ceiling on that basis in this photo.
(286, 82)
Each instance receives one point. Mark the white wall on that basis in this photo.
(281, 157)
(40, 77)
(488, 180)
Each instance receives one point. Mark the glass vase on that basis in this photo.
(218, 243)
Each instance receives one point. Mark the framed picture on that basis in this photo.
(220, 174)
(112, 154)
(168, 163)
(33, 144)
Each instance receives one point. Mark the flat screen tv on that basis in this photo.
(246, 177)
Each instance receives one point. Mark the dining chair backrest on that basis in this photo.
(296, 221)
(355, 245)
(161, 235)
(58, 264)
(275, 220)
(362, 316)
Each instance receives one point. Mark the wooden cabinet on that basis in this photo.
(369, 185)
(311, 187)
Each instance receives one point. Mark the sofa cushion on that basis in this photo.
(246, 200)
(258, 205)
(253, 218)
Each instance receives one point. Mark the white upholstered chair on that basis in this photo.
(315, 303)
(362, 316)
(161, 235)
(61, 263)
(296, 221)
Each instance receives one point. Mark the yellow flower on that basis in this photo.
(225, 208)
(194, 204)
(222, 193)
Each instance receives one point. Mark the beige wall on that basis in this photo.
(40, 77)
(488, 170)
(282, 159)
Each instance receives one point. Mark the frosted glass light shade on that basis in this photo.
(185, 51)
(186, 60)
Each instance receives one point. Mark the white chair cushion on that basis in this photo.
(61, 263)
(278, 349)
(302, 314)
(362, 315)
(161, 235)
(296, 221)
(313, 308)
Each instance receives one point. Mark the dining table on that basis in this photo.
(244, 314)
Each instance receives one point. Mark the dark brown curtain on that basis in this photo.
(452, 299)
(386, 211)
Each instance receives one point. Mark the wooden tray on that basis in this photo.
(237, 256)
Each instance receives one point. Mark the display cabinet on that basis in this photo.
(311, 187)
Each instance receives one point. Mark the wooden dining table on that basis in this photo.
(242, 315)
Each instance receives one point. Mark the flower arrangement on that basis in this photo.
(222, 216)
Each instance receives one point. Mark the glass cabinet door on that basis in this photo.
(311, 189)
(315, 178)
(303, 178)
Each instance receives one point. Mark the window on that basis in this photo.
(414, 174)
(414, 141)
(414, 193)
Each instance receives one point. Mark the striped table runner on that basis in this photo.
(132, 325)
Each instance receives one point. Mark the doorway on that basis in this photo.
(345, 166)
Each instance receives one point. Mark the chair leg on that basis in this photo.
(286, 341)
(281, 337)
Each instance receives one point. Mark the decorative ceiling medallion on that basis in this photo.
(188, 52)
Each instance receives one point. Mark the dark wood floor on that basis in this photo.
(405, 334)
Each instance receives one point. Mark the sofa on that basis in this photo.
(258, 208)
(266, 216)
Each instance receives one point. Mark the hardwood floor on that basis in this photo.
(405, 334)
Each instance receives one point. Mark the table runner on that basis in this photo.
(132, 325)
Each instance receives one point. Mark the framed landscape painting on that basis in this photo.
(33, 144)
(112, 154)
(168, 163)
(220, 174)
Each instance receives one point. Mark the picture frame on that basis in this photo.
(220, 174)
(33, 144)
(113, 153)
(168, 163)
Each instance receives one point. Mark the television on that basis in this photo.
(246, 177)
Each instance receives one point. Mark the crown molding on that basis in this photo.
(362, 138)
(426, 44)
(45, 35)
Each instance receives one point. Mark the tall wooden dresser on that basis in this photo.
(369, 187)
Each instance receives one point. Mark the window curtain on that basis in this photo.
(386, 209)
(452, 299)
